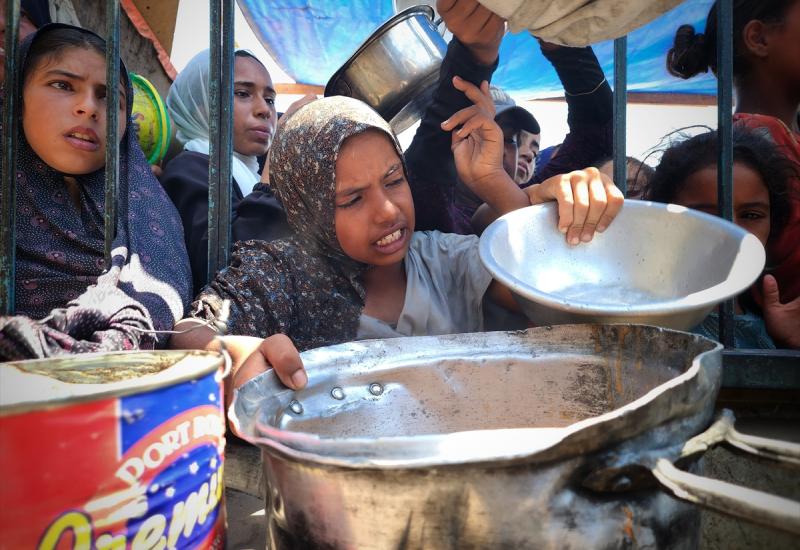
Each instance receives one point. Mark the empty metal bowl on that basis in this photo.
(396, 69)
(656, 264)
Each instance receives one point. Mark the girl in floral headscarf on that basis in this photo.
(355, 268)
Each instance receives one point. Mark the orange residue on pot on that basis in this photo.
(627, 527)
(623, 332)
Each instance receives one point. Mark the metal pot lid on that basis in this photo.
(532, 395)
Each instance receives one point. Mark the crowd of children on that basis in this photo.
(326, 248)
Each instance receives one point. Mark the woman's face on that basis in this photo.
(64, 110)
(374, 213)
(254, 114)
(751, 205)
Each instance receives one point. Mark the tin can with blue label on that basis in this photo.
(113, 451)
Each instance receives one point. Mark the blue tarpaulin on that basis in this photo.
(311, 39)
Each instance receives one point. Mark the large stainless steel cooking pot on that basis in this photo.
(548, 438)
(396, 69)
(657, 264)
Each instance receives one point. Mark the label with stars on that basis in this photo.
(140, 471)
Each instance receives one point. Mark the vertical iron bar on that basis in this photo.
(725, 135)
(9, 162)
(112, 125)
(220, 128)
(620, 112)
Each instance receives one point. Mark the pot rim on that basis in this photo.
(488, 446)
(408, 13)
(751, 249)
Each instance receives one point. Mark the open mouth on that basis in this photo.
(391, 238)
(83, 137)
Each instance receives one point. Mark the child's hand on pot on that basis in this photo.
(279, 353)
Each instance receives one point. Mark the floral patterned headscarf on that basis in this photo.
(305, 286)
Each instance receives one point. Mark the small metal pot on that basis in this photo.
(396, 69)
(549, 438)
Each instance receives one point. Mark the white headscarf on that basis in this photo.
(189, 109)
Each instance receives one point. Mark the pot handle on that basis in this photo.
(748, 504)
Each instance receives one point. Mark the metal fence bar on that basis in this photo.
(112, 126)
(725, 135)
(620, 112)
(221, 127)
(9, 139)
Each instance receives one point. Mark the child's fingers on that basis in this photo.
(281, 353)
(565, 203)
(772, 295)
(480, 96)
(597, 204)
(615, 200)
(460, 117)
(476, 122)
(443, 6)
(580, 207)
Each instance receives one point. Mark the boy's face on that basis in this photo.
(528, 151)
(520, 149)
(374, 214)
(64, 110)
(751, 205)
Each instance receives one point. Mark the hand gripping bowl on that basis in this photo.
(553, 437)
(656, 264)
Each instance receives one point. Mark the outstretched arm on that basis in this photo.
(590, 111)
(472, 54)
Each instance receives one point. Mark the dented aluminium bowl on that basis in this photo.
(656, 264)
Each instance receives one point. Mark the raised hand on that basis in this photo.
(479, 29)
(477, 140)
(782, 320)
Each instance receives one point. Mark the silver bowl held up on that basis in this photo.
(396, 69)
(656, 264)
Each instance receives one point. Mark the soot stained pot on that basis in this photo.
(554, 437)
(396, 69)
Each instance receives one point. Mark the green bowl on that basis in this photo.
(151, 118)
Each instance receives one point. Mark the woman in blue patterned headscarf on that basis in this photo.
(67, 298)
